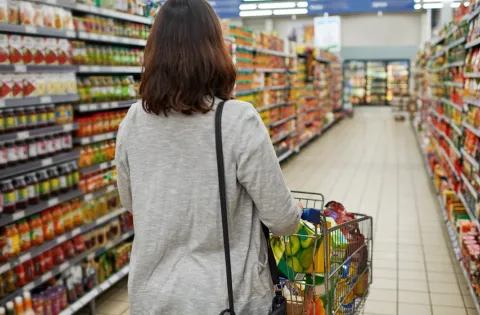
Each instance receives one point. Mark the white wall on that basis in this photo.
(366, 36)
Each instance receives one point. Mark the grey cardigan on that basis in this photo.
(167, 176)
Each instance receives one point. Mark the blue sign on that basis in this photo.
(317, 7)
(226, 9)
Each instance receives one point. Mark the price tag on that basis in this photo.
(70, 33)
(51, 1)
(113, 104)
(46, 276)
(64, 267)
(83, 107)
(76, 231)
(91, 256)
(5, 267)
(45, 99)
(94, 36)
(93, 106)
(61, 239)
(85, 140)
(95, 68)
(18, 215)
(2, 103)
(83, 68)
(31, 29)
(29, 287)
(104, 286)
(47, 162)
(25, 257)
(125, 40)
(105, 105)
(83, 7)
(53, 201)
(23, 135)
(20, 68)
(68, 127)
(111, 188)
(88, 197)
(114, 278)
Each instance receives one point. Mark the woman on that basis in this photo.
(167, 175)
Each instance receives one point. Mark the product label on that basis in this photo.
(24, 238)
(23, 152)
(9, 198)
(36, 233)
(41, 147)
(58, 143)
(44, 187)
(50, 146)
(32, 150)
(22, 194)
(32, 119)
(16, 243)
(10, 246)
(12, 154)
(2, 124)
(76, 178)
(31, 191)
(3, 156)
(67, 141)
(22, 120)
(63, 181)
(54, 184)
(70, 179)
(43, 118)
(10, 122)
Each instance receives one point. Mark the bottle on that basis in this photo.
(24, 232)
(43, 184)
(21, 192)
(54, 181)
(20, 275)
(15, 239)
(27, 304)
(11, 308)
(62, 178)
(58, 224)
(2, 310)
(12, 154)
(33, 189)
(22, 151)
(29, 270)
(75, 174)
(36, 231)
(47, 222)
(9, 197)
(19, 305)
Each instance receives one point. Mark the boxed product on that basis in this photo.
(15, 49)
(4, 54)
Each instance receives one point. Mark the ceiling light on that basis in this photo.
(455, 4)
(302, 4)
(276, 5)
(248, 6)
(417, 6)
(466, 4)
(416, 1)
(256, 13)
(290, 11)
(432, 6)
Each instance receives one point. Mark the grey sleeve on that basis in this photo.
(258, 171)
(123, 173)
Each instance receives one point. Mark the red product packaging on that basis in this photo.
(28, 50)
(5, 86)
(3, 11)
(29, 267)
(50, 51)
(29, 85)
(64, 52)
(39, 51)
(17, 85)
(58, 255)
(15, 49)
(40, 264)
(48, 259)
(4, 55)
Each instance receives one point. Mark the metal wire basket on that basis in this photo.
(327, 268)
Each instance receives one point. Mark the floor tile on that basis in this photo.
(412, 275)
(411, 297)
(383, 295)
(447, 310)
(413, 309)
(442, 277)
(380, 308)
(443, 287)
(390, 284)
(412, 285)
(440, 299)
(111, 307)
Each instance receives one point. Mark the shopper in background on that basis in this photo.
(167, 175)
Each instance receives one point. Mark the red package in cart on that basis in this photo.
(4, 55)
(17, 86)
(64, 52)
(15, 49)
(51, 57)
(5, 86)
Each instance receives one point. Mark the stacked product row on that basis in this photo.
(447, 85)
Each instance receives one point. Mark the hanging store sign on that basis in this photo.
(327, 33)
(226, 9)
(316, 7)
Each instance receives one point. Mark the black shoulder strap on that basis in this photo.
(223, 204)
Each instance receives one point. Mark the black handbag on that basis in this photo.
(279, 303)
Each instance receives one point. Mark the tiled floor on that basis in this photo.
(372, 165)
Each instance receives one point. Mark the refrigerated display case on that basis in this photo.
(354, 84)
(376, 89)
(398, 77)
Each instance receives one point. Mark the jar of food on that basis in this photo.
(48, 259)
(54, 181)
(41, 147)
(67, 216)
(32, 117)
(42, 116)
(58, 226)
(50, 145)
(58, 141)
(2, 122)
(32, 149)
(3, 248)
(44, 184)
(3, 156)
(29, 267)
(36, 230)
(9, 196)
(21, 117)
(62, 177)
(33, 189)
(68, 249)
(14, 240)
(22, 151)
(51, 119)
(67, 142)
(75, 174)
(10, 120)
(58, 255)
(24, 231)
(12, 154)
(21, 192)
(20, 275)
(10, 286)
(48, 227)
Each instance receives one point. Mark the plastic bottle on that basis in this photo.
(36, 231)
(20, 275)
(19, 305)
(2, 310)
(24, 231)
(27, 304)
(47, 221)
(10, 308)
(58, 224)
(15, 236)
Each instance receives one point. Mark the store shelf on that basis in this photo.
(323, 60)
(111, 39)
(36, 30)
(109, 69)
(97, 167)
(474, 130)
(23, 168)
(472, 43)
(6, 219)
(35, 251)
(450, 229)
(472, 101)
(457, 42)
(244, 47)
(469, 211)
(448, 102)
(472, 75)
(435, 70)
(450, 142)
(37, 68)
(454, 84)
(284, 137)
(245, 70)
(471, 160)
(38, 100)
(470, 17)
(39, 132)
(437, 40)
(267, 107)
(285, 156)
(271, 52)
(455, 64)
(92, 107)
(470, 286)
(73, 308)
(90, 9)
(96, 138)
(469, 186)
(438, 55)
(270, 70)
(281, 121)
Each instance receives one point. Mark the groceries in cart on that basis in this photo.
(326, 264)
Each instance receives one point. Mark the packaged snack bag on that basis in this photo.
(29, 85)
(38, 15)
(4, 52)
(48, 16)
(17, 85)
(27, 13)
(50, 45)
(13, 12)
(5, 86)
(39, 51)
(3, 11)
(15, 49)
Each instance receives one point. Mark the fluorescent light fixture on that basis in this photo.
(455, 4)
(302, 4)
(256, 13)
(416, 1)
(276, 5)
(248, 6)
(290, 11)
(417, 6)
(432, 6)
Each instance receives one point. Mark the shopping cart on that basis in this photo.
(327, 268)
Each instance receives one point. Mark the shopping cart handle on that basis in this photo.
(311, 215)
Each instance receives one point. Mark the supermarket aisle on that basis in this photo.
(372, 165)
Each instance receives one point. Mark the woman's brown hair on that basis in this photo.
(186, 60)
